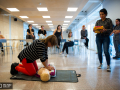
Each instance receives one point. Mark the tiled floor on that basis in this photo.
(84, 63)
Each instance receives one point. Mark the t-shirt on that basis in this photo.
(28, 30)
(71, 39)
(37, 50)
(42, 32)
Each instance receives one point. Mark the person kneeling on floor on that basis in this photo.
(29, 55)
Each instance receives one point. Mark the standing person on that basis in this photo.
(1, 45)
(116, 38)
(67, 44)
(84, 34)
(29, 55)
(103, 39)
(42, 31)
(58, 34)
(30, 33)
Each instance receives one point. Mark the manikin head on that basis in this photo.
(44, 74)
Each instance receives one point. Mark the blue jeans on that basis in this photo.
(105, 42)
(117, 47)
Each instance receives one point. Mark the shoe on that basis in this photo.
(66, 55)
(100, 66)
(116, 57)
(61, 53)
(108, 69)
(13, 71)
(58, 47)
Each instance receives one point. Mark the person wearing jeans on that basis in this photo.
(67, 44)
(116, 39)
(103, 39)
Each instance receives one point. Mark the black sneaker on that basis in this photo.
(115, 57)
(13, 71)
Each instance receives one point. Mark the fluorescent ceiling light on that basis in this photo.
(68, 16)
(13, 9)
(42, 9)
(46, 16)
(24, 16)
(30, 21)
(50, 24)
(34, 24)
(48, 21)
(39, 28)
(65, 24)
(66, 21)
(72, 9)
(63, 28)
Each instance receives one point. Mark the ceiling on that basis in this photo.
(57, 10)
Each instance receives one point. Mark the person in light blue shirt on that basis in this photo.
(69, 43)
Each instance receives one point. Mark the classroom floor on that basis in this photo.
(85, 63)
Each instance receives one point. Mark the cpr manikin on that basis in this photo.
(45, 74)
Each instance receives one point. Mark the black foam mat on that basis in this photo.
(61, 76)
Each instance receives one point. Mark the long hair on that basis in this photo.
(52, 39)
(58, 26)
(69, 34)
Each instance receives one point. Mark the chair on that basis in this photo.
(5, 41)
(76, 44)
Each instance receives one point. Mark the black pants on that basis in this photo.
(1, 46)
(29, 37)
(59, 39)
(86, 43)
(66, 45)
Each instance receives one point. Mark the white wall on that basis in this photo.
(113, 8)
(65, 35)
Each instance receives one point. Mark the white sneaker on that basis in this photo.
(61, 53)
(100, 66)
(66, 55)
(108, 69)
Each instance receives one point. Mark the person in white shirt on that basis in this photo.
(69, 43)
